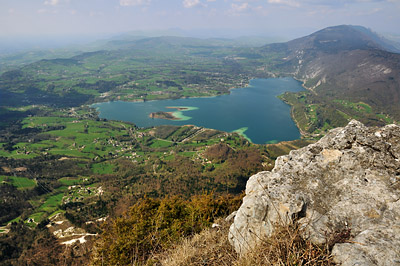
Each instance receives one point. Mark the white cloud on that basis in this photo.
(190, 3)
(51, 2)
(291, 3)
(239, 7)
(134, 2)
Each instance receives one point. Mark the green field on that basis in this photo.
(19, 182)
(36, 217)
(52, 203)
(74, 154)
(359, 107)
(386, 118)
(85, 139)
(137, 73)
(102, 168)
(70, 181)
(314, 116)
(160, 143)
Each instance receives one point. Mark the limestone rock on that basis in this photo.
(348, 180)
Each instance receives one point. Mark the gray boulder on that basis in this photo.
(347, 181)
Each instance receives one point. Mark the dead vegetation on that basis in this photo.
(211, 247)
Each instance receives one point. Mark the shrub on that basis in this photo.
(153, 225)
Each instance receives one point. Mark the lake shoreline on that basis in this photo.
(255, 107)
(141, 100)
(303, 133)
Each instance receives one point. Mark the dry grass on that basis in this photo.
(287, 247)
(211, 247)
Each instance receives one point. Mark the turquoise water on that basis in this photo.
(254, 111)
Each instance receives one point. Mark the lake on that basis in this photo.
(254, 111)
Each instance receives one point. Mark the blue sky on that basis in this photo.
(262, 17)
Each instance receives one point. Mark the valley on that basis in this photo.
(64, 166)
(67, 166)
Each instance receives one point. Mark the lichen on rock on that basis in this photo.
(348, 180)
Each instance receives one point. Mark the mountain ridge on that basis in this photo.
(343, 63)
(343, 37)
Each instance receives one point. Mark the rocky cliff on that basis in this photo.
(348, 181)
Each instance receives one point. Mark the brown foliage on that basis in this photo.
(218, 153)
(152, 225)
(211, 247)
(287, 247)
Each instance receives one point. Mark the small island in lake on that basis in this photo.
(163, 115)
(168, 115)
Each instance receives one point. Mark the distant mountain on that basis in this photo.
(389, 45)
(345, 62)
(127, 42)
(349, 63)
(339, 38)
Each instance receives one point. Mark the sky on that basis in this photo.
(254, 17)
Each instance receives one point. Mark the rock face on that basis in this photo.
(349, 180)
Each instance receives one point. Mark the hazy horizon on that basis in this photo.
(107, 17)
(55, 23)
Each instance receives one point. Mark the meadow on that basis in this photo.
(66, 160)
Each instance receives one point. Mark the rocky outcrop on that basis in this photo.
(348, 181)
